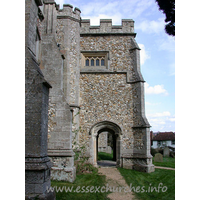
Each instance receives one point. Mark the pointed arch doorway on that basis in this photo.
(116, 132)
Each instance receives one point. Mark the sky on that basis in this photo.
(157, 51)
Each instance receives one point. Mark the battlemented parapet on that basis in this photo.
(106, 27)
(68, 11)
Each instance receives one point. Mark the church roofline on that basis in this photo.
(107, 34)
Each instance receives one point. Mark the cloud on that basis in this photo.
(151, 26)
(163, 114)
(162, 121)
(61, 2)
(172, 69)
(157, 89)
(136, 8)
(172, 119)
(143, 54)
(152, 104)
(147, 103)
(166, 44)
(101, 9)
(126, 8)
(108, 7)
(95, 20)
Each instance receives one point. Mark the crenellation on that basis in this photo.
(67, 6)
(106, 27)
(128, 25)
(85, 24)
(69, 11)
(77, 10)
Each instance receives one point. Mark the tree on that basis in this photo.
(168, 8)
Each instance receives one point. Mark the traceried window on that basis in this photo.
(87, 61)
(102, 62)
(95, 60)
(92, 62)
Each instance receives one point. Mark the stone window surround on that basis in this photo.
(95, 54)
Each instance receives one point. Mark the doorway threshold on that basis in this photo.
(106, 163)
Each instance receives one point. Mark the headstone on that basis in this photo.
(166, 152)
(158, 157)
(109, 149)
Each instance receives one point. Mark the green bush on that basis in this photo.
(85, 168)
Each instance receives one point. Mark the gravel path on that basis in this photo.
(169, 168)
(114, 179)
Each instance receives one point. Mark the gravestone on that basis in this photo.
(158, 157)
(166, 152)
(109, 149)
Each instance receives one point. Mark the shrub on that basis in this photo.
(83, 168)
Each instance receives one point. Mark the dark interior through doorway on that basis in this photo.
(111, 143)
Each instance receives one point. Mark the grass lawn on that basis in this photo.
(147, 182)
(105, 156)
(83, 180)
(167, 162)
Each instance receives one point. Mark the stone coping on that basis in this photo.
(107, 34)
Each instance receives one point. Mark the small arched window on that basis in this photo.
(92, 62)
(87, 62)
(97, 62)
(102, 62)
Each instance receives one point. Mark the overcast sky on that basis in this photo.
(157, 51)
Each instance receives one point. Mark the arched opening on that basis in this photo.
(114, 132)
(106, 146)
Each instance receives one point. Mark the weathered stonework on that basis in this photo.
(102, 142)
(37, 163)
(62, 170)
(106, 97)
(57, 66)
(88, 99)
(116, 93)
